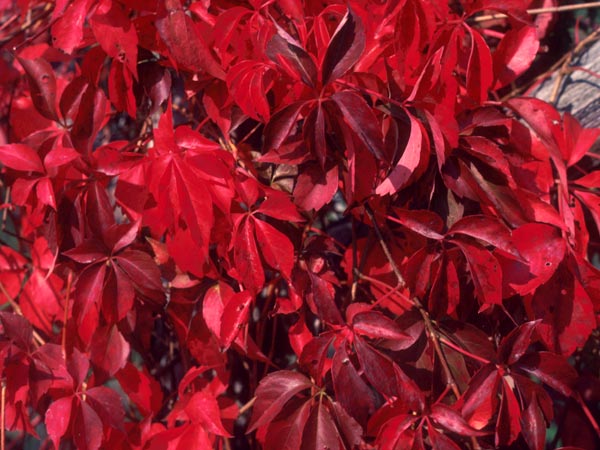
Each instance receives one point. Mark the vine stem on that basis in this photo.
(536, 11)
(247, 406)
(455, 347)
(587, 413)
(66, 316)
(429, 325)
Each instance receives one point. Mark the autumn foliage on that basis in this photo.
(291, 225)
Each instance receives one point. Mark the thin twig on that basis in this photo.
(66, 315)
(247, 406)
(587, 413)
(537, 11)
(384, 247)
(455, 347)
(564, 69)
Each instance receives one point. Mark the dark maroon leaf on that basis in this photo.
(508, 425)
(516, 343)
(273, 392)
(452, 420)
(533, 425)
(282, 45)
(362, 121)
(345, 48)
(551, 369)
(42, 84)
(375, 325)
(350, 390)
(320, 430)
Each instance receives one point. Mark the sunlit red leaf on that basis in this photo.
(186, 46)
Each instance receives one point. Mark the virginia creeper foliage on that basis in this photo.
(291, 224)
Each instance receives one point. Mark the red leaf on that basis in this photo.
(88, 294)
(42, 84)
(59, 156)
(314, 188)
(516, 343)
(345, 48)
(440, 441)
(410, 161)
(89, 251)
(514, 54)
(350, 390)
(314, 136)
(452, 420)
(487, 229)
(20, 157)
(88, 426)
(320, 431)
(109, 350)
(377, 326)
(566, 310)
(235, 317)
(533, 425)
(479, 69)
(203, 409)
(213, 304)
(107, 405)
(116, 34)
(143, 390)
(508, 425)
(426, 223)
(361, 119)
(480, 399)
(186, 46)
(542, 248)
(58, 417)
(485, 271)
(287, 433)
(141, 269)
(246, 256)
(552, 369)
(276, 247)
(280, 126)
(279, 206)
(90, 118)
(67, 31)
(17, 329)
(282, 45)
(248, 82)
(273, 392)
